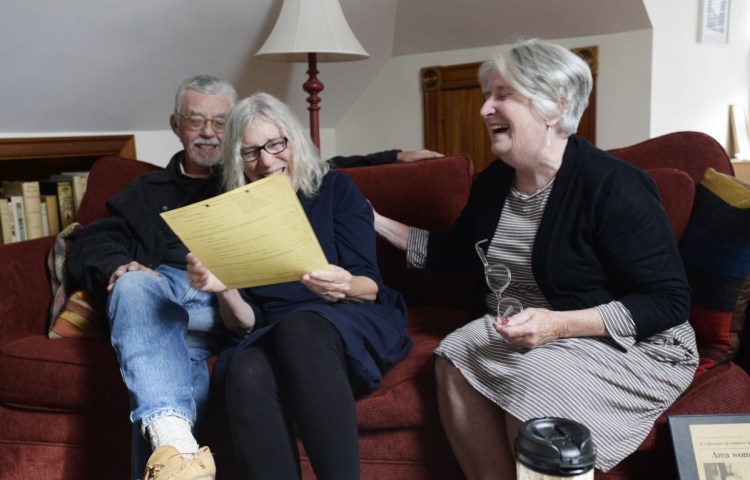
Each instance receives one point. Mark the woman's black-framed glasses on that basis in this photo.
(273, 146)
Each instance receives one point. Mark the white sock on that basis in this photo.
(174, 431)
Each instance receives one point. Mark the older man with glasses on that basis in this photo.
(162, 330)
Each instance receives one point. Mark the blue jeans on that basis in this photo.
(163, 331)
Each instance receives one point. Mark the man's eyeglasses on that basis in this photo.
(196, 121)
(274, 146)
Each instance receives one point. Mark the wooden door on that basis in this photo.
(452, 98)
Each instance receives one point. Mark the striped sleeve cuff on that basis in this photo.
(416, 248)
(619, 323)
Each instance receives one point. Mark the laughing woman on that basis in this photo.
(604, 338)
(307, 348)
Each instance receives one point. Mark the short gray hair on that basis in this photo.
(309, 169)
(206, 85)
(557, 81)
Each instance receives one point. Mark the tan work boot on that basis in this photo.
(166, 463)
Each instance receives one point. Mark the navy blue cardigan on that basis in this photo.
(604, 236)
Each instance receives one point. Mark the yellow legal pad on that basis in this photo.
(254, 235)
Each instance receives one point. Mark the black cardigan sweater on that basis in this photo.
(136, 231)
(604, 236)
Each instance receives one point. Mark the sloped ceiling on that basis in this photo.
(104, 66)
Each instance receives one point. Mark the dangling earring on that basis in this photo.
(548, 136)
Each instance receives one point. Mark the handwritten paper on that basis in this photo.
(254, 235)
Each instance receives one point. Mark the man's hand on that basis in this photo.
(414, 155)
(128, 267)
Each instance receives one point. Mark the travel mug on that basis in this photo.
(552, 448)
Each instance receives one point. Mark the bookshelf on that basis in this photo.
(27, 211)
(38, 158)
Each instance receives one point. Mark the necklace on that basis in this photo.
(528, 195)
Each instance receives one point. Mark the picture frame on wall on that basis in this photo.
(714, 22)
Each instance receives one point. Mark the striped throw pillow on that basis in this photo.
(79, 317)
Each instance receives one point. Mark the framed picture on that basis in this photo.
(711, 447)
(740, 140)
(714, 21)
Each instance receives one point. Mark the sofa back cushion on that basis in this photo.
(677, 192)
(108, 176)
(691, 152)
(428, 194)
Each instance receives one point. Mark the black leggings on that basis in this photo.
(297, 375)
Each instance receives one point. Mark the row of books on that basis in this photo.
(38, 208)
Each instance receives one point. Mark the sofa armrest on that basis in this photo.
(26, 297)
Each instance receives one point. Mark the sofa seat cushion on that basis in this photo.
(406, 397)
(45, 374)
(67, 375)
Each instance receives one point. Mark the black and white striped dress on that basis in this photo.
(615, 386)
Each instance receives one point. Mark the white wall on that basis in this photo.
(651, 82)
(694, 83)
(156, 146)
(389, 112)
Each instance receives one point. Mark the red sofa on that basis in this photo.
(63, 407)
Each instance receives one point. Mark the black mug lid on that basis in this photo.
(556, 446)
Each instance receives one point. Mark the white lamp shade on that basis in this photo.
(312, 26)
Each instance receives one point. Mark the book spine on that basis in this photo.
(6, 219)
(32, 210)
(66, 204)
(19, 224)
(53, 213)
(29, 192)
(45, 219)
(79, 188)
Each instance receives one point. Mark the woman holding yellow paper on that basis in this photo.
(306, 348)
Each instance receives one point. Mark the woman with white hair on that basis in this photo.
(305, 348)
(603, 339)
